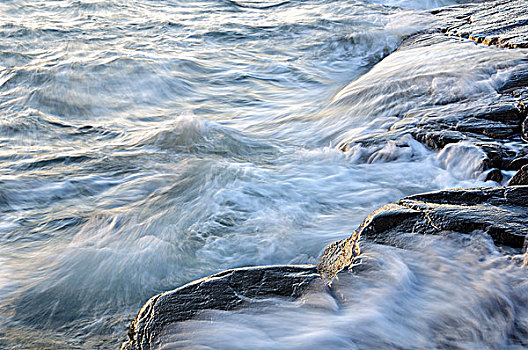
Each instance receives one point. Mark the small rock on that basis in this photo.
(337, 256)
(494, 175)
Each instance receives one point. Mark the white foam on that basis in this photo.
(464, 160)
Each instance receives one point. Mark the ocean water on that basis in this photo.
(147, 143)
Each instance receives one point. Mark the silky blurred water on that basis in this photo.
(431, 292)
(144, 144)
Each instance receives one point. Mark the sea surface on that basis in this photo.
(147, 143)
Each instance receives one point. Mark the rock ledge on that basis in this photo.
(226, 290)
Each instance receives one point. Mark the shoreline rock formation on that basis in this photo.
(502, 212)
(491, 124)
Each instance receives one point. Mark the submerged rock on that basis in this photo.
(226, 290)
(517, 163)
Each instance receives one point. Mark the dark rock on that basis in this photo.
(437, 139)
(226, 290)
(517, 79)
(502, 212)
(494, 175)
(498, 156)
(520, 178)
(487, 120)
(490, 124)
(492, 129)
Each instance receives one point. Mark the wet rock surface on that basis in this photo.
(501, 212)
(493, 124)
(503, 23)
(337, 256)
(520, 178)
(226, 290)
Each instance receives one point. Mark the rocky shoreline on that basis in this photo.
(492, 125)
(501, 212)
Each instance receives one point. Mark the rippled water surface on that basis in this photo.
(144, 144)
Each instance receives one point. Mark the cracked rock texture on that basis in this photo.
(501, 212)
(226, 290)
(503, 23)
